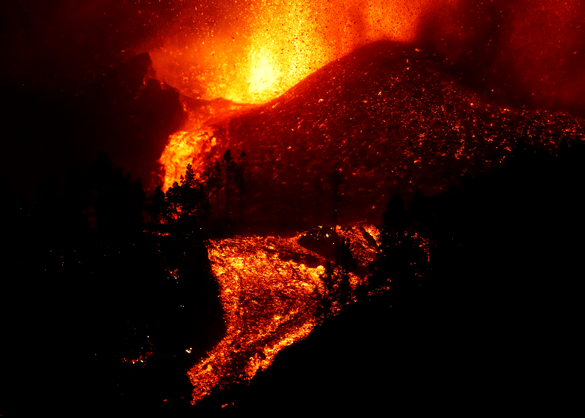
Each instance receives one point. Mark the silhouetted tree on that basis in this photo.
(188, 199)
(191, 195)
(335, 179)
(174, 198)
(241, 184)
(158, 205)
(326, 299)
(230, 169)
(217, 183)
(337, 289)
(318, 193)
(207, 185)
(346, 263)
(401, 258)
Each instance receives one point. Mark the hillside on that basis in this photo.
(390, 120)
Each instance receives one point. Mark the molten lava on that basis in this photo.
(389, 118)
(270, 291)
(253, 51)
(366, 88)
(257, 50)
(196, 143)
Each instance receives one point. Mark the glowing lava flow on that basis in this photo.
(270, 290)
(253, 51)
(195, 143)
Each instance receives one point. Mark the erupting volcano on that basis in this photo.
(377, 95)
(315, 155)
(389, 119)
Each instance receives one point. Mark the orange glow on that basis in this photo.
(196, 142)
(141, 359)
(179, 153)
(252, 51)
(262, 48)
(253, 54)
(270, 302)
(263, 73)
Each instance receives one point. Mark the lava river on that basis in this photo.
(270, 289)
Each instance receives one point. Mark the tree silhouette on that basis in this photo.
(159, 206)
(191, 195)
(401, 260)
(188, 199)
(217, 183)
(173, 196)
(230, 170)
(346, 263)
(241, 184)
(337, 291)
(335, 179)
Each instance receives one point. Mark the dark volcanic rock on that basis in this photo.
(388, 119)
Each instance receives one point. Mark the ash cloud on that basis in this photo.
(520, 53)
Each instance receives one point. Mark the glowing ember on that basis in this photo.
(391, 119)
(266, 48)
(257, 49)
(270, 291)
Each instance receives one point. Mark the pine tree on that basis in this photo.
(337, 289)
(230, 168)
(189, 196)
(400, 261)
(159, 206)
(336, 179)
(217, 183)
(173, 201)
(241, 183)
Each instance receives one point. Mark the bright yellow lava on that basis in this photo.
(263, 73)
(270, 302)
(261, 48)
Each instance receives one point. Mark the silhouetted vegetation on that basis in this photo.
(337, 290)
(111, 307)
(482, 286)
(482, 311)
(402, 262)
(199, 198)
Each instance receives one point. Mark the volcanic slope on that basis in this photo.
(390, 120)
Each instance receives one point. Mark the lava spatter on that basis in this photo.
(270, 289)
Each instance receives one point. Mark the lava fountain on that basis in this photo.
(227, 57)
(256, 50)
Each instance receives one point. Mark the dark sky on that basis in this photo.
(66, 43)
(61, 86)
